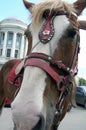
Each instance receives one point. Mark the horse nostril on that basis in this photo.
(41, 124)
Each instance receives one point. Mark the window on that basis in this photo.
(2, 35)
(8, 52)
(16, 53)
(0, 52)
(18, 41)
(9, 39)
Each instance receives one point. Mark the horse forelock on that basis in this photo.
(39, 9)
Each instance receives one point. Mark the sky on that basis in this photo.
(16, 9)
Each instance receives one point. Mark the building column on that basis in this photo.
(4, 45)
(13, 46)
(22, 47)
(26, 47)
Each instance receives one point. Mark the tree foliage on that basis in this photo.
(82, 82)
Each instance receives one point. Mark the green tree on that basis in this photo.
(82, 82)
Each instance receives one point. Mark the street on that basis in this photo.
(74, 120)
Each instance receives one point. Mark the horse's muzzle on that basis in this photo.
(41, 124)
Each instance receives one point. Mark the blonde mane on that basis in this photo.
(38, 10)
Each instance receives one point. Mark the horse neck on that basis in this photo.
(29, 45)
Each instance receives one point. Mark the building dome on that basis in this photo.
(13, 42)
(13, 23)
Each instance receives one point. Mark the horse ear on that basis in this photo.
(79, 6)
(28, 5)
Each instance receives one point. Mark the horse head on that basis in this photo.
(48, 71)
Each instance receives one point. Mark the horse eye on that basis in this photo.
(46, 13)
(71, 32)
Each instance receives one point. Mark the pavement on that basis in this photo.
(6, 122)
(74, 120)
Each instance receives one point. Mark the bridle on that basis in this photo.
(47, 63)
(64, 83)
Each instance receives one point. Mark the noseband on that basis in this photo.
(48, 63)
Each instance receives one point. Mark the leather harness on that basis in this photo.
(47, 63)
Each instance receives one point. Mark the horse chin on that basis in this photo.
(40, 125)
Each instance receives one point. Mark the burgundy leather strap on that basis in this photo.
(44, 66)
(12, 76)
(47, 31)
(45, 57)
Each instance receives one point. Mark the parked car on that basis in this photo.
(80, 96)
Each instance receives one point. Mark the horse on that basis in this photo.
(49, 70)
(8, 90)
(13, 62)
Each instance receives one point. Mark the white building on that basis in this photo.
(13, 42)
